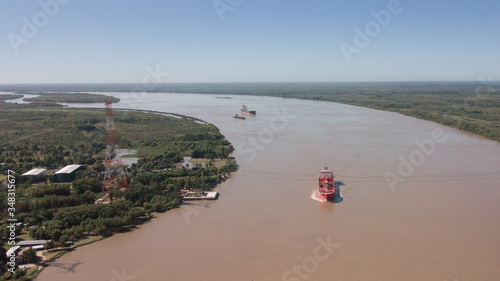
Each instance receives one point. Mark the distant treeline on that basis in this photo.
(262, 89)
(70, 98)
(470, 106)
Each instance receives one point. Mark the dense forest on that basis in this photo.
(35, 136)
(54, 137)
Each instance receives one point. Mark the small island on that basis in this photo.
(48, 97)
(59, 97)
(4, 97)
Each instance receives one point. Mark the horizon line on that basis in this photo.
(282, 82)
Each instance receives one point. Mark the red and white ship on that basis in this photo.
(245, 110)
(326, 185)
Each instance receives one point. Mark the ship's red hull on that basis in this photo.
(326, 186)
(248, 112)
(245, 110)
(326, 196)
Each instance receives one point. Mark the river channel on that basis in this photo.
(417, 201)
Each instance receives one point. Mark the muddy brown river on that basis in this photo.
(417, 201)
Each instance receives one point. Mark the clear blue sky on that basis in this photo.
(100, 41)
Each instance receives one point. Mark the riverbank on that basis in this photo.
(54, 137)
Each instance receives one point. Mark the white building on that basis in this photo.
(37, 172)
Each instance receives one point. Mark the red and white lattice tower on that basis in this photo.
(114, 175)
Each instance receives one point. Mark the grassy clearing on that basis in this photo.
(203, 162)
(134, 155)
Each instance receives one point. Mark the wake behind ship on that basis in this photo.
(245, 110)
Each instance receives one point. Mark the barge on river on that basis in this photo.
(238, 117)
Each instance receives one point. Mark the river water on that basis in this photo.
(437, 218)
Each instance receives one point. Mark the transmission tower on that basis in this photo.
(114, 175)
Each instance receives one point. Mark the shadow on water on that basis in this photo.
(197, 203)
(69, 267)
(338, 198)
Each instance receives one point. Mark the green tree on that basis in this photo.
(29, 255)
(3, 252)
(83, 185)
(18, 273)
(101, 230)
(51, 244)
(63, 241)
(56, 235)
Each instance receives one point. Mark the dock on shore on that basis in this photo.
(211, 195)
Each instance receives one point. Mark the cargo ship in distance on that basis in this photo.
(238, 117)
(326, 185)
(245, 110)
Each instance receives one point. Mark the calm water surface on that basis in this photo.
(441, 223)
